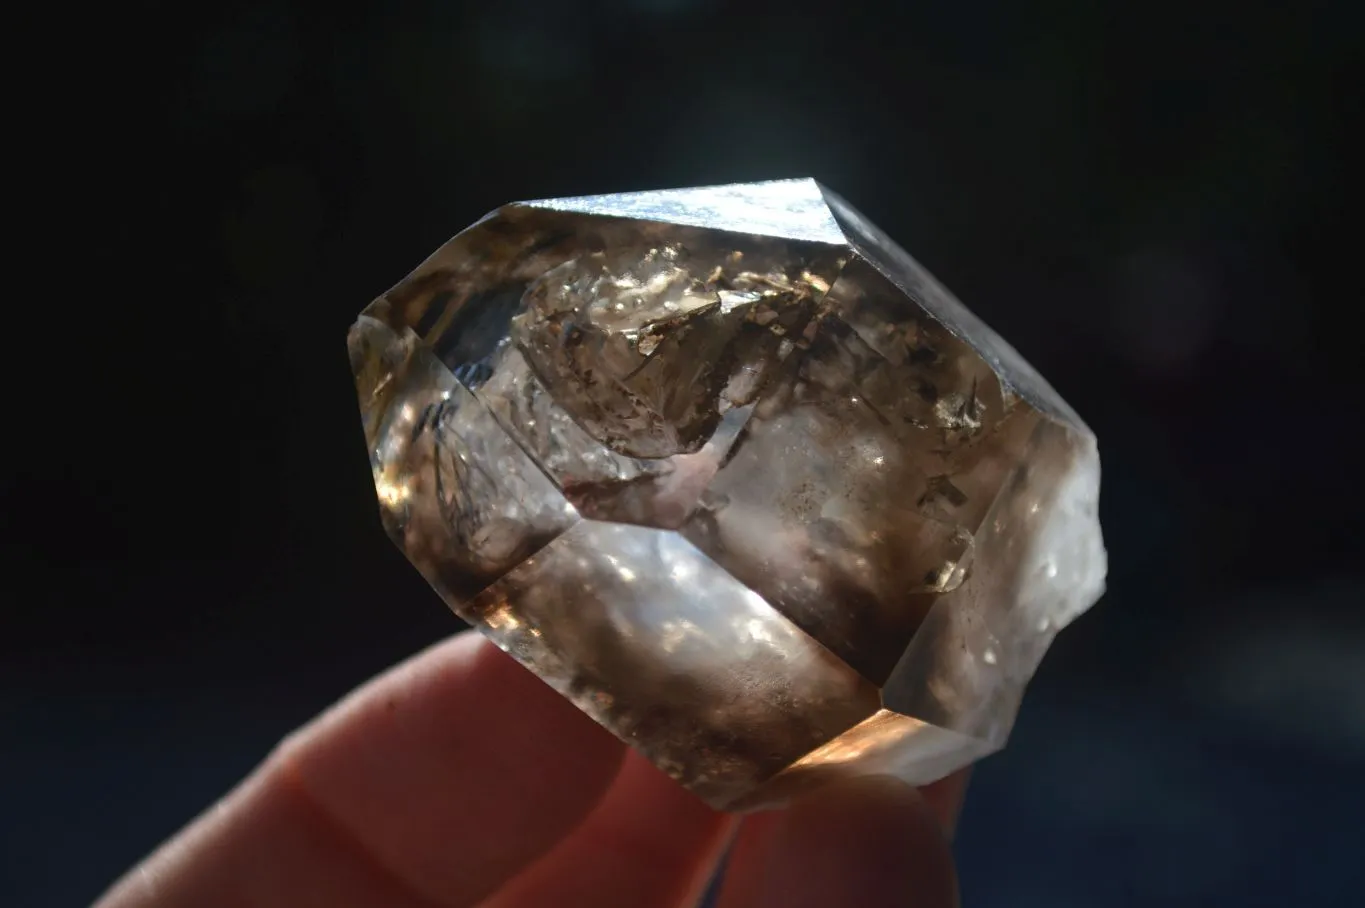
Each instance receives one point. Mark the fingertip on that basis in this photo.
(455, 770)
(944, 799)
(869, 841)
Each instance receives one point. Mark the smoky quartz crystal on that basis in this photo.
(734, 474)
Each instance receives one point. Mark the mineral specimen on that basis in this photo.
(729, 470)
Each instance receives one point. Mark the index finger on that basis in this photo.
(431, 785)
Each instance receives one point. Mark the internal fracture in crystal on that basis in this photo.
(734, 474)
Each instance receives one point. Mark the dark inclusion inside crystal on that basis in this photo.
(647, 348)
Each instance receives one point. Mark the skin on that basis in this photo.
(459, 779)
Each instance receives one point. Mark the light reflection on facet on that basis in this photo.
(789, 208)
(681, 666)
(885, 743)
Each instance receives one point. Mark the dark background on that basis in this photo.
(1148, 201)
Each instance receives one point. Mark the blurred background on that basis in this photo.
(1146, 199)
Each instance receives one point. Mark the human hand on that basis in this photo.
(459, 779)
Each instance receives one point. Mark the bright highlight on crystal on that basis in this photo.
(734, 474)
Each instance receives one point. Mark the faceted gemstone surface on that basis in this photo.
(733, 473)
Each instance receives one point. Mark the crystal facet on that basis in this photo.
(734, 474)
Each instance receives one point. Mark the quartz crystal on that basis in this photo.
(735, 475)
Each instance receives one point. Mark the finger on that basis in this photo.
(945, 798)
(432, 785)
(261, 846)
(870, 841)
(648, 844)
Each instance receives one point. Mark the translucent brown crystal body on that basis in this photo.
(734, 474)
